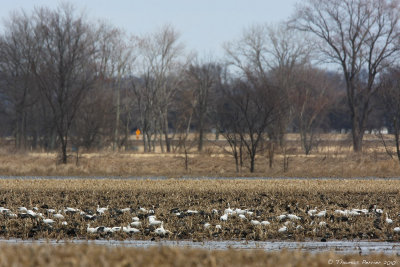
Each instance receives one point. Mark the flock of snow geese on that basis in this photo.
(53, 217)
(57, 216)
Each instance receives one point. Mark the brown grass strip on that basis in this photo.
(91, 255)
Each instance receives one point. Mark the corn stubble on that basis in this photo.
(266, 199)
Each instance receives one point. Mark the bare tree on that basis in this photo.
(17, 54)
(202, 78)
(115, 58)
(91, 127)
(160, 60)
(310, 101)
(288, 51)
(123, 58)
(272, 53)
(389, 96)
(65, 71)
(248, 107)
(360, 36)
(145, 102)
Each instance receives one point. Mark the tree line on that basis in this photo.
(66, 81)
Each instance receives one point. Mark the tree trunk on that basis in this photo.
(271, 151)
(117, 116)
(64, 151)
(252, 161)
(235, 154)
(34, 140)
(306, 139)
(161, 143)
(241, 154)
(357, 136)
(201, 133)
(396, 137)
(144, 142)
(24, 132)
(148, 142)
(52, 141)
(17, 136)
(167, 141)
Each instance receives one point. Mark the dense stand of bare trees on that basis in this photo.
(67, 82)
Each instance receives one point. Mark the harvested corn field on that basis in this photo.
(301, 210)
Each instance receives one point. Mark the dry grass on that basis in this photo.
(332, 158)
(173, 165)
(89, 255)
(267, 199)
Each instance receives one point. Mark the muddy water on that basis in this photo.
(341, 247)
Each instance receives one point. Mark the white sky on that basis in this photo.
(204, 24)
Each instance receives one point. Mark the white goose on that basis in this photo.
(312, 212)
(224, 217)
(321, 214)
(129, 229)
(22, 209)
(101, 210)
(282, 229)
(91, 229)
(153, 221)
(388, 221)
(229, 210)
(136, 224)
(161, 231)
(58, 216)
(281, 217)
(48, 221)
(116, 229)
(293, 217)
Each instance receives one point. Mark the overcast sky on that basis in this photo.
(204, 24)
